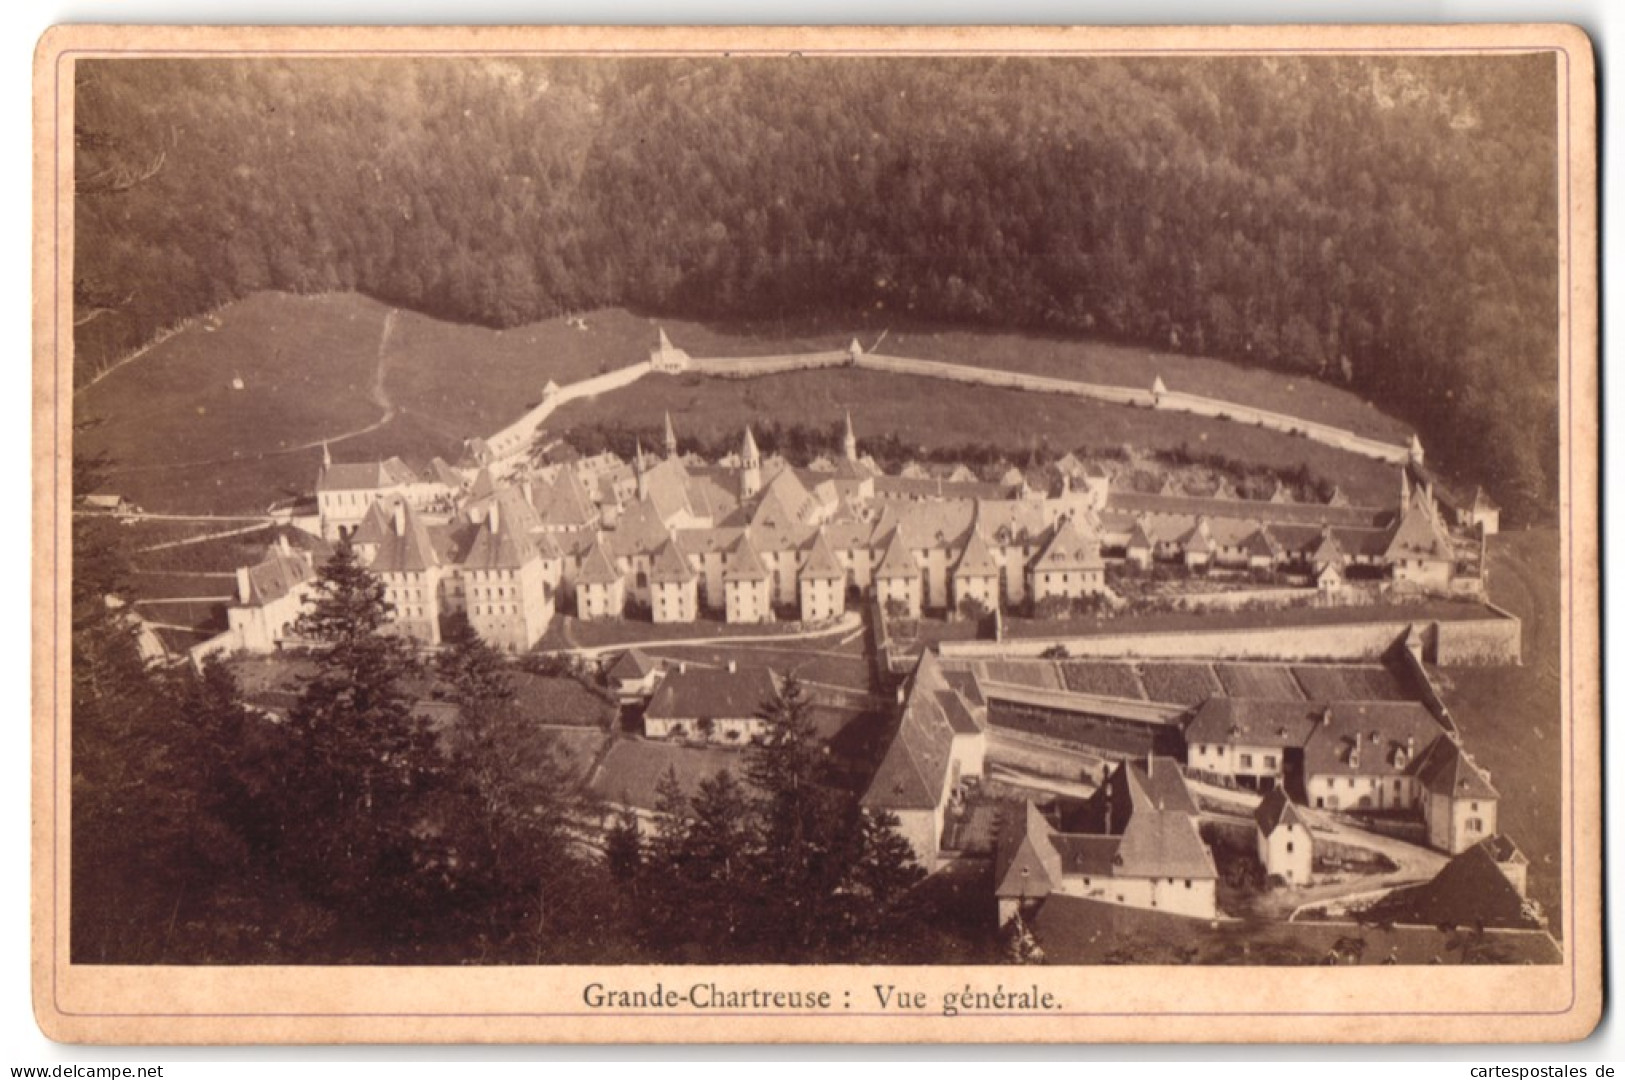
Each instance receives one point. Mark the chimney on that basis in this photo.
(1410, 744)
(1357, 738)
(244, 589)
(282, 544)
(494, 518)
(1150, 764)
(733, 667)
(1326, 715)
(400, 519)
(682, 667)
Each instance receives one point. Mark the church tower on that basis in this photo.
(750, 464)
(849, 441)
(671, 439)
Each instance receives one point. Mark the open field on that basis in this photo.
(1055, 356)
(568, 632)
(1512, 717)
(933, 414)
(345, 367)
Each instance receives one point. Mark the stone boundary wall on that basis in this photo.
(1429, 693)
(1480, 642)
(747, 367)
(1288, 425)
(1467, 641)
(514, 440)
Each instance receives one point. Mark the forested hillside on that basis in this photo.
(1392, 222)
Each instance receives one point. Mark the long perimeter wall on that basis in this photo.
(514, 440)
(1491, 640)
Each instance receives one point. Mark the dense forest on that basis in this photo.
(1389, 222)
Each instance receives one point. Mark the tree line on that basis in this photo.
(1389, 222)
(356, 829)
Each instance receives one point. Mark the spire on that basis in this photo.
(671, 438)
(849, 439)
(327, 456)
(637, 470)
(751, 465)
(1404, 487)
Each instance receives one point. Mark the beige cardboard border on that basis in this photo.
(1377, 1004)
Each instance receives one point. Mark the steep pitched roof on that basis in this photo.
(1418, 535)
(1471, 888)
(1027, 864)
(356, 476)
(409, 549)
(744, 564)
(274, 578)
(670, 566)
(897, 561)
(1277, 810)
(1164, 844)
(1069, 549)
(568, 504)
(484, 486)
(977, 558)
(633, 664)
(597, 568)
(913, 774)
(822, 563)
(1446, 770)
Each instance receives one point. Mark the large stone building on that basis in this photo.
(1140, 848)
(755, 539)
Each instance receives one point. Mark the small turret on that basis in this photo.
(849, 440)
(750, 464)
(637, 470)
(671, 438)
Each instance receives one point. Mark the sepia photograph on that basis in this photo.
(759, 526)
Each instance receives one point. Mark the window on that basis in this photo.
(1475, 825)
(1269, 761)
(1187, 883)
(1246, 761)
(1474, 808)
(1289, 847)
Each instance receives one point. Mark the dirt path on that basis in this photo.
(377, 393)
(841, 626)
(204, 539)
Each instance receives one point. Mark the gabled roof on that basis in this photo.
(445, 474)
(274, 578)
(634, 664)
(1230, 721)
(1366, 738)
(1160, 843)
(1418, 535)
(363, 476)
(1482, 502)
(822, 563)
(706, 693)
(597, 568)
(1028, 866)
(1328, 552)
(897, 561)
(1277, 810)
(505, 548)
(1137, 539)
(977, 558)
(568, 504)
(484, 486)
(409, 550)
(670, 565)
(1069, 549)
(913, 774)
(375, 526)
(1471, 888)
(744, 564)
(1446, 770)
